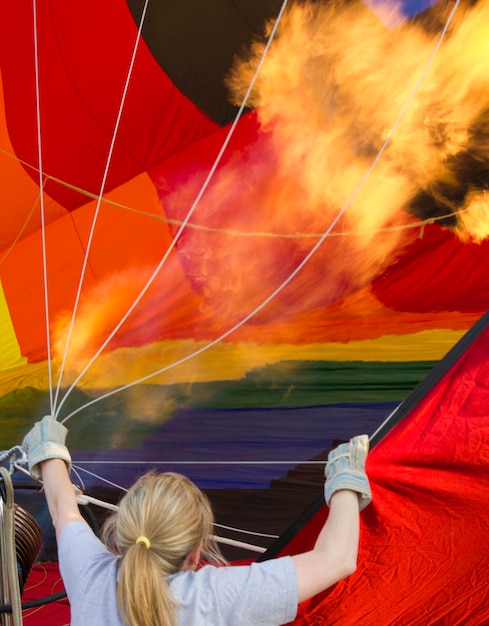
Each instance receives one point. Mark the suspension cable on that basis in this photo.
(97, 208)
(310, 254)
(192, 209)
(41, 202)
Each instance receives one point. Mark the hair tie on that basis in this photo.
(145, 540)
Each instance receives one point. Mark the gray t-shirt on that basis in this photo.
(260, 594)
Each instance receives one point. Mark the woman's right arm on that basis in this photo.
(334, 555)
(347, 491)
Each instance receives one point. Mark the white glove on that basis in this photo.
(46, 440)
(345, 469)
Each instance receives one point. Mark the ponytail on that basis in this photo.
(143, 595)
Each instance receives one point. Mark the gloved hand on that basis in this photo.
(345, 469)
(46, 440)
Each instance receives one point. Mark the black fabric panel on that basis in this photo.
(196, 41)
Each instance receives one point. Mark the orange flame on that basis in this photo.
(335, 83)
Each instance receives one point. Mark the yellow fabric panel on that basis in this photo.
(10, 355)
(426, 345)
(229, 361)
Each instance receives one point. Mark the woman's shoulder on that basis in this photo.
(240, 594)
(77, 529)
(212, 579)
(78, 544)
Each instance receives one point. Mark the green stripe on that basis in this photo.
(299, 383)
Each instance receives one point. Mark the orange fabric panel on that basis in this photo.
(19, 194)
(122, 239)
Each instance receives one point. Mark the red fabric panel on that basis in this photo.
(45, 580)
(437, 272)
(424, 556)
(84, 56)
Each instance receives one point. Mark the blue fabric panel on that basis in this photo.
(236, 448)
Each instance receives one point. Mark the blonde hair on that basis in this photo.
(174, 516)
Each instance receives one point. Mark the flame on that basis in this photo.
(334, 84)
(167, 308)
(97, 316)
(329, 97)
(337, 90)
(473, 222)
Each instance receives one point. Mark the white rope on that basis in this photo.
(169, 462)
(229, 231)
(239, 544)
(183, 225)
(41, 202)
(84, 499)
(16, 455)
(97, 208)
(104, 480)
(306, 259)
(246, 532)
(386, 421)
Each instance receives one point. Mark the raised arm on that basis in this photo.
(49, 461)
(347, 491)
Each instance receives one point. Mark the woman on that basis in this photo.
(162, 529)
